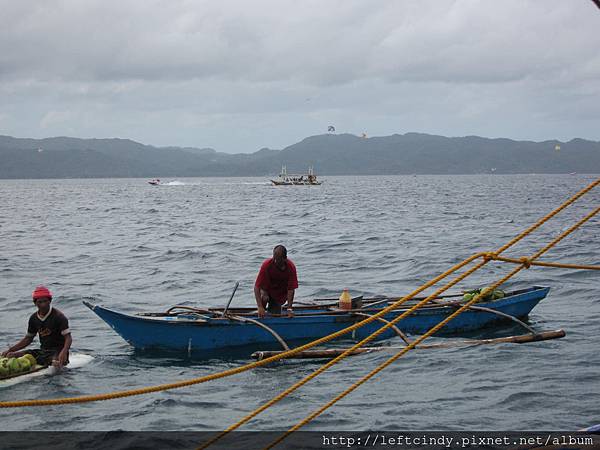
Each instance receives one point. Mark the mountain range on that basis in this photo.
(329, 154)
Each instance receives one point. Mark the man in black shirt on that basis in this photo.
(53, 329)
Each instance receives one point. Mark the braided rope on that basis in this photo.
(229, 372)
(434, 329)
(234, 371)
(486, 258)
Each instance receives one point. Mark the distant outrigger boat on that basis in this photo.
(310, 179)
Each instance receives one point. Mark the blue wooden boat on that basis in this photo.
(211, 332)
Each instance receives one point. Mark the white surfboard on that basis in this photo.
(76, 360)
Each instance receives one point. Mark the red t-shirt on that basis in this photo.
(277, 282)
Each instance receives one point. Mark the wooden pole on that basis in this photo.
(333, 352)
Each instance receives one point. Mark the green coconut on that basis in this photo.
(14, 366)
(498, 293)
(25, 364)
(4, 372)
(31, 358)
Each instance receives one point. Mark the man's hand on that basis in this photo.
(290, 311)
(60, 359)
(261, 312)
(63, 357)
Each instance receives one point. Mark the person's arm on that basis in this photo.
(19, 345)
(63, 356)
(292, 286)
(290, 301)
(260, 286)
(258, 294)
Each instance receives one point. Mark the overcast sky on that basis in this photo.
(241, 75)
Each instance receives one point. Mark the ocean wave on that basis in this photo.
(375, 235)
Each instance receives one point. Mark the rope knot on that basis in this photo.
(525, 261)
(489, 256)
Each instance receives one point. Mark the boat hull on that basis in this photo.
(210, 335)
(300, 183)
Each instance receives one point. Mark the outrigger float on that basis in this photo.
(217, 331)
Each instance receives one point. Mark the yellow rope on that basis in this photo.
(378, 369)
(487, 257)
(433, 330)
(162, 387)
(549, 216)
(229, 372)
(338, 358)
(527, 262)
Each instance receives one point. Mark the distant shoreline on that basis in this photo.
(329, 154)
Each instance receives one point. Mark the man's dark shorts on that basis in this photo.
(273, 307)
(44, 357)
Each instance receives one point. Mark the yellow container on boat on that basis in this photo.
(345, 300)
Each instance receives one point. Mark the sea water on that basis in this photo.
(136, 247)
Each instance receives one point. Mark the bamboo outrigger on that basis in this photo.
(333, 352)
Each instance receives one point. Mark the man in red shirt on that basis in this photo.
(275, 284)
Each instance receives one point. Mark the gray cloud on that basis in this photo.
(242, 75)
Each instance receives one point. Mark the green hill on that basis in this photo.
(344, 154)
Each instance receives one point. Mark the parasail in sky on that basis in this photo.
(331, 129)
